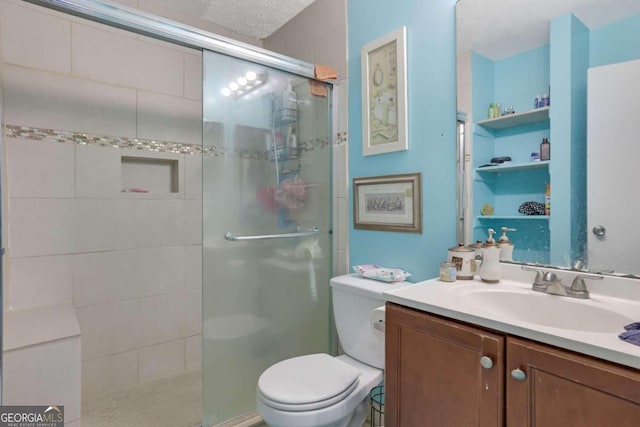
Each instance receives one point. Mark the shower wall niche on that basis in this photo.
(150, 174)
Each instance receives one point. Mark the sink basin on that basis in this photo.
(589, 315)
(589, 326)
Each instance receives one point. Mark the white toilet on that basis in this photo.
(319, 390)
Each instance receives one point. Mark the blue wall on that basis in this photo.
(519, 78)
(569, 63)
(616, 42)
(431, 97)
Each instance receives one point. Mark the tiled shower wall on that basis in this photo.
(129, 263)
(318, 35)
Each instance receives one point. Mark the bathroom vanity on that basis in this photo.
(454, 360)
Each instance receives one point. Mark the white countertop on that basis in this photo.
(447, 299)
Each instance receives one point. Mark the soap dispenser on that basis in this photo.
(505, 245)
(490, 269)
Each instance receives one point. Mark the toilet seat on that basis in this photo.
(338, 414)
(307, 383)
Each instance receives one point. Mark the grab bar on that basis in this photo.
(233, 238)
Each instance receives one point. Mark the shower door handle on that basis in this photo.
(314, 231)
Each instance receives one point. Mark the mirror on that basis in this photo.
(519, 54)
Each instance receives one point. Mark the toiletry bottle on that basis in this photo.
(490, 115)
(490, 269)
(292, 141)
(546, 101)
(289, 103)
(505, 245)
(547, 200)
(537, 102)
(545, 149)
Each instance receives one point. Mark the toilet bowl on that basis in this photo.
(316, 390)
(319, 390)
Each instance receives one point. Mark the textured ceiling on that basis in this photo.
(254, 18)
(501, 28)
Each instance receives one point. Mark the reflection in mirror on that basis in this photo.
(550, 94)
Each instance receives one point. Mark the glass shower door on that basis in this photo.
(266, 221)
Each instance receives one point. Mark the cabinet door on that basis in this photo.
(434, 375)
(565, 389)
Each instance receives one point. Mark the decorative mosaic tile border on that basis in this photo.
(83, 138)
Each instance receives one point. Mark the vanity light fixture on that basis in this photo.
(244, 84)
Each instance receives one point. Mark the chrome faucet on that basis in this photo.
(549, 283)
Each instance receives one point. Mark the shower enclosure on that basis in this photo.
(266, 221)
(130, 165)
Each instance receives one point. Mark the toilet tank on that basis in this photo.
(354, 298)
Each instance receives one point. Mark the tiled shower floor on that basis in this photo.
(171, 402)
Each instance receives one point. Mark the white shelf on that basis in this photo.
(518, 119)
(515, 166)
(518, 217)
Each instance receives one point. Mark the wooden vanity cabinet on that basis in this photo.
(433, 372)
(436, 376)
(563, 388)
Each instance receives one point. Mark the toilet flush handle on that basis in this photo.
(380, 325)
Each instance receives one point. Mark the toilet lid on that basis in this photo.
(314, 380)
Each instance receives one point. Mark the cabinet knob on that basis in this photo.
(486, 362)
(599, 231)
(518, 374)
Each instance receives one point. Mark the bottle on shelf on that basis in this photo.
(547, 200)
(545, 149)
(288, 104)
(292, 142)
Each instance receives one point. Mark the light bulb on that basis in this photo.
(226, 91)
(241, 81)
(233, 86)
(251, 75)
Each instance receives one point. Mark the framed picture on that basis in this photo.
(384, 94)
(388, 203)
